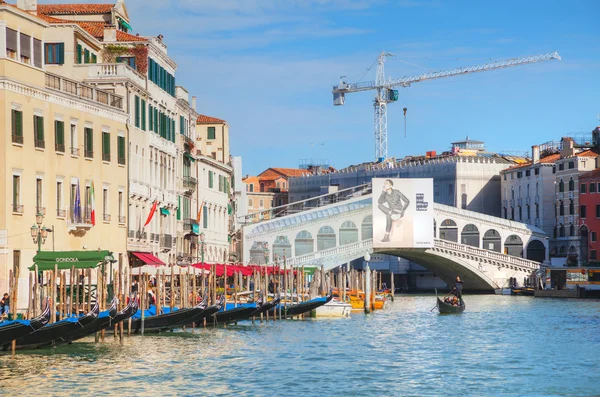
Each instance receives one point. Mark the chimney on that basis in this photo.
(194, 103)
(535, 154)
(110, 34)
(28, 5)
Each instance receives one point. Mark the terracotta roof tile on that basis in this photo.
(202, 119)
(74, 9)
(546, 160)
(96, 29)
(587, 153)
(291, 171)
(591, 175)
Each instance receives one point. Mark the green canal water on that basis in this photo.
(500, 346)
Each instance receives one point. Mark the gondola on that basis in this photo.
(241, 312)
(446, 308)
(127, 311)
(168, 320)
(101, 322)
(303, 307)
(11, 330)
(265, 307)
(208, 313)
(51, 332)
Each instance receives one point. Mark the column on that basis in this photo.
(2, 39)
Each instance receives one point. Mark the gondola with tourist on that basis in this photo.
(449, 308)
(11, 330)
(47, 334)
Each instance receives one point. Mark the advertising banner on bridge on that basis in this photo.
(402, 213)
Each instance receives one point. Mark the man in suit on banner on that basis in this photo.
(393, 204)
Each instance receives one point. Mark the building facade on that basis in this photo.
(589, 215)
(63, 150)
(270, 188)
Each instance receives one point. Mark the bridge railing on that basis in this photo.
(364, 245)
(303, 205)
(513, 260)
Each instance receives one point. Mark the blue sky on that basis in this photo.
(267, 67)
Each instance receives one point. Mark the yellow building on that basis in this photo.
(60, 138)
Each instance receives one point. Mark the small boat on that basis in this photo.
(51, 332)
(101, 322)
(526, 291)
(303, 307)
(207, 313)
(333, 308)
(265, 307)
(241, 312)
(128, 311)
(11, 330)
(167, 320)
(446, 308)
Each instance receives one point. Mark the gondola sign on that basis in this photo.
(403, 213)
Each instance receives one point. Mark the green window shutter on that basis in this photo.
(39, 128)
(137, 111)
(211, 133)
(59, 128)
(178, 208)
(173, 130)
(143, 115)
(79, 53)
(121, 149)
(210, 179)
(86, 56)
(17, 119)
(227, 186)
(94, 58)
(61, 53)
(150, 118)
(150, 68)
(89, 142)
(106, 145)
(205, 217)
(156, 121)
(168, 128)
(181, 125)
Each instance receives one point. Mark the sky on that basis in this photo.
(268, 67)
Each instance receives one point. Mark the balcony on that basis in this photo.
(131, 234)
(40, 210)
(166, 242)
(121, 160)
(17, 208)
(106, 217)
(106, 71)
(59, 147)
(39, 144)
(81, 221)
(105, 157)
(83, 91)
(88, 154)
(188, 224)
(61, 213)
(121, 219)
(17, 139)
(75, 151)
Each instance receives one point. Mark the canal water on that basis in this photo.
(500, 346)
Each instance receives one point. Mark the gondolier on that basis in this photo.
(458, 286)
(393, 204)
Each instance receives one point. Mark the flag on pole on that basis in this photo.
(151, 214)
(199, 215)
(77, 206)
(93, 200)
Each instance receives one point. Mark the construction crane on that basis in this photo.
(386, 94)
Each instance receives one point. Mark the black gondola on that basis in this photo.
(446, 308)
(101, 322)
(50, 332)
(265, 307)
(301, 308)
(235, 314)
(15, 329)
(208, 313)
(167, 321)
(127, 311)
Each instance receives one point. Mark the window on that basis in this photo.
(528, 173)
(597, 210)
(59, 204)
(571, 208)
(593, 255)
(74, 148)
(159, 76)
(121, 149)
(79, 53)
(205, 218)
(537, 210)
(137, 111)
(39, 204)
(561, 232)
(93, 58)
(561, 166)
(505, 213)
(151, 118)
(17, 207)
(512, 213)
(583, 188)
(561, 186)
(536, 171)
(505, 176)
(210, 179)
(88, 138)
(250, 203)
(105, 146)
(121, 216)
(11, 43)
(25, 48)
(38, 131)
(592, 188)
(220, 183)
(572, 230)
(528, 212)
(571, 185)
(143, 115)
(261, 203)
(86, 56)
(59, 136)
(211, 133)
(520, 213)
(17, 126)
(593, 236)
(562, 209)
(554, 169)
(519, 174)
(128, 61)
(74, 217)
(582, 211)
(105, 213)
(54, 53)
(571, 164)
(251, 187)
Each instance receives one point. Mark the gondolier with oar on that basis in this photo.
(458, 286)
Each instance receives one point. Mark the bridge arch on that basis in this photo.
(536, 251)
(513, 245)
(492, 240)
(449, 231)
(326, 238)
(366, 228)
(470, 235)
(348, 233)
(304, 243)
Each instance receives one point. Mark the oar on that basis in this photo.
(436, 301)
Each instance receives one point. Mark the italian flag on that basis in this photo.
(93, 200)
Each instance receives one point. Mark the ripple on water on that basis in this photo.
(500, 346)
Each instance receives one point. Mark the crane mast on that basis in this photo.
(385, 94)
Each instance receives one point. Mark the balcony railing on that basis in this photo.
(166, 242)
(18, 208)
(121, 160)
(106, 217)
(40, 210)
(60, 147)
(17, 139)
(61, 213)
(115, 70)
(40, 144)
(189, 182)
(83, 90)
(89, 154)
(131, 234)
(154, 237)
(83, 218)
(121, 219)
(75, 151)
(105, 156)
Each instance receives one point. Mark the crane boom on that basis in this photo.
(385, 94)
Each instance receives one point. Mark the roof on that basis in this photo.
(587, 153)
(289, 172)
(202, 119)
(545, 160)
(96, 29)
(74, 9)
(591, 175)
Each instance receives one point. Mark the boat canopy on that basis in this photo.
(65, 260)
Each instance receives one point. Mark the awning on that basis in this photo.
(189, 156)
(148, 258)
(67, 259)
(128, 26)
(164, 211)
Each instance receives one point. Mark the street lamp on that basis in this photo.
(202, 246)
(39, 233)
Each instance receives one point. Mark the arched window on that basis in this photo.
(572, 230)
(449, 231)
(326, 238)
(571, 184)
(304, 243)
(571, 207)
(561, 210)
(366, 229)
(348, 233)
(513, 245)
(262, 187)
(470, 236)
(492, 240)
(561, 186)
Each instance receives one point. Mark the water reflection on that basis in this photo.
(499, 346)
